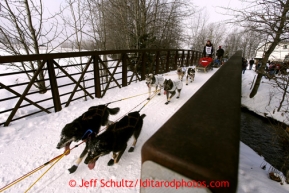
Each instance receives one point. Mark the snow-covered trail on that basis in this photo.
(25, 145)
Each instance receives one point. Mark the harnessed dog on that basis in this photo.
(155, 81)
(87, 124)
(115, 139)
(190, 74)
(181, 72)
(171, 87)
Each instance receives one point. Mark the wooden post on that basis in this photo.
(96, 77)
(124, 69)
(188, 57)
(192, 58)
(168, 62)
(54, 86)
(176, 60)
(157, 62)
(183, 56)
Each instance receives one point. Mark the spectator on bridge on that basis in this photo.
(267, 65)
(220, 53)
(272, 69)
(244, 65)
(208, 49)
(258, 65)
(251, 62)
(278, 67)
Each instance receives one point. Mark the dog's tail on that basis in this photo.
(113, 111)
(143, 116)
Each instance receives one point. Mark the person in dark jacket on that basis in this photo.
(220, 53)
(208, 49)
(251, 62)
(272, 69)
(244, 65)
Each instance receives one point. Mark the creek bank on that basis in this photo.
(266, 137)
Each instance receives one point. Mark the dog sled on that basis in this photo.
(217, 63)
(205, 64)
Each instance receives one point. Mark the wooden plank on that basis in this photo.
(54, 87)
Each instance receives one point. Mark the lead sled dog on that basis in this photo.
(114, 139)
(87, 124)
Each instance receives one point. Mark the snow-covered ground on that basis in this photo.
(26, 145)
(267, 99)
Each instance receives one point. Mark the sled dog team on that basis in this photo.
(114, 139)
(170, 86)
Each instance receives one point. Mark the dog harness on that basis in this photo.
(157, 80)
(129, 124)
(98, 111)
(181, 69)
(176, 85)
(191, 71)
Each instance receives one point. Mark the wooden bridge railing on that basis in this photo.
(96, 75)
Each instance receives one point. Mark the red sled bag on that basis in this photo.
(205, 61)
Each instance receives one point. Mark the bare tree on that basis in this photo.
(96, 23)
(166, 22)
(201, 31)
(23, 30)
(137, 24)
(76, 20)
(267, 17)
(251, 40)
(232, 42)
(245, 40)
(197, 26)
(280, 84)
(215, 33)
